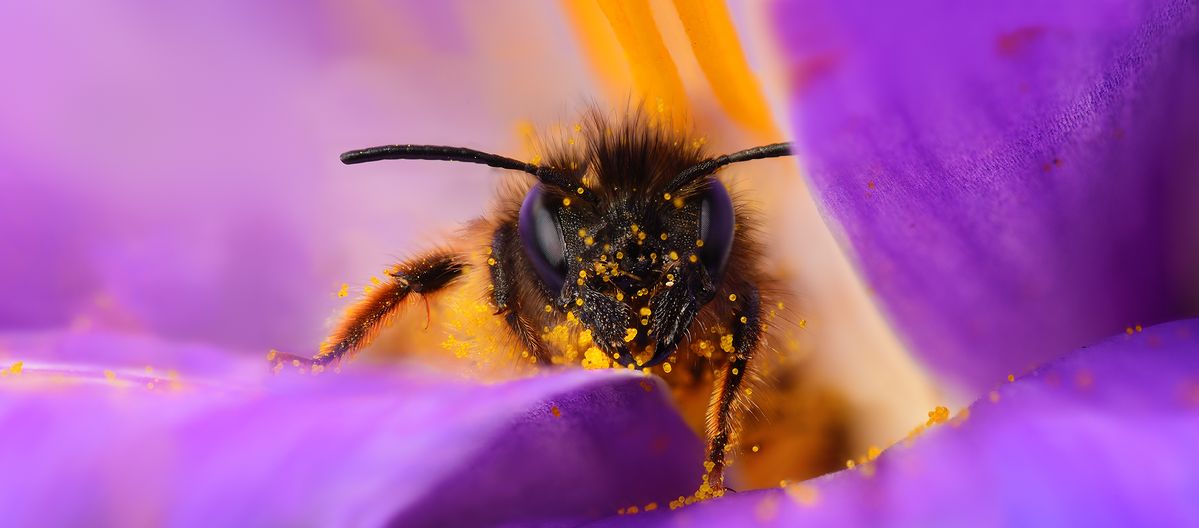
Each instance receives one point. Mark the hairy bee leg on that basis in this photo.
(424, 275)
(747, 332)
(502, 261)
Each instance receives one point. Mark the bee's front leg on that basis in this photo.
(423, 275)
(504, 261)
(721, 420)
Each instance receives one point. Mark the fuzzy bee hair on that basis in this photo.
(620, 228)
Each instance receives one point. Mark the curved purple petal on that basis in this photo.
(146, 446)
(1016, 178)
(1105, 436)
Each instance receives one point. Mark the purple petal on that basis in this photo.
(1017, 178)
(364, 447)
(1103, 437)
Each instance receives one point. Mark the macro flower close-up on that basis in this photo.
(612, 263)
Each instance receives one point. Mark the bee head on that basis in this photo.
(634, 240)
(635, 267)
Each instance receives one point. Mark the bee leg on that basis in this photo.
(502, 263)
(361, 321)
(747, 332)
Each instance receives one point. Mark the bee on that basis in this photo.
(626, 231)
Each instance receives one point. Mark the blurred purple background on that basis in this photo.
(172, 168)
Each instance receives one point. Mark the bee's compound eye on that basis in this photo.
(716, 228)
(541, 236)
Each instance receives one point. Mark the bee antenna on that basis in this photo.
(710, 166)
(462, 154)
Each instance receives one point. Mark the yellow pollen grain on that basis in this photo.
(634, 228)
(873, 452)
(666, 196)
(666, 368)
(938, 415)
(663, 236)
(651, 506)
(270, 356)
(566, 202)
(620, 296)
(16, 367)
(580, 282)
(736, 371)
(579, 190)
(732, 296)
(548, 308)
(630, 334)
(726, 342)
(556, 412)
(678, 203)
(344, 291)
(1011, 378)
(582, 233)
(693, 258)
(491, 261)
(699, 243)
(582, 274)
(754, 449)
(644, 322)
(744, 319)
(645, 311)
(674, 255)
(579, 301)
(619, 255)
(589, 241)
(1138, 328)
(594, 359)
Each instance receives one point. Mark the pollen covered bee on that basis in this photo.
(618, 247)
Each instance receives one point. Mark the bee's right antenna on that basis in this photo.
(707, 167)
(443, 153)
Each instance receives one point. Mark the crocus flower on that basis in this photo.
(1014, 181)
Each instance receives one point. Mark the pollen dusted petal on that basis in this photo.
(1119, 452)
(237, 446)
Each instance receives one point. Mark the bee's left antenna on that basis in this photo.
(707, 167)
(463, 154)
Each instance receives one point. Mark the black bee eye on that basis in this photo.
(716, 228)
(541, 236)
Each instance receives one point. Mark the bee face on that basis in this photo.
(636, 265)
